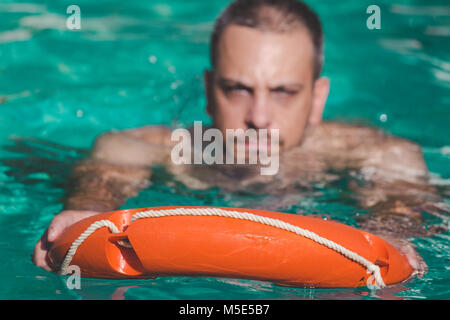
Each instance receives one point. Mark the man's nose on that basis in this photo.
(258, 115)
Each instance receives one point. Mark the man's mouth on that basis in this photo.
(258, 145)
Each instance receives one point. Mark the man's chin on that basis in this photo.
(254, 151)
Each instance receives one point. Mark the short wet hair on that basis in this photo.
(271, 15)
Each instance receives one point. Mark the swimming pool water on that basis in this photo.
(138, 62)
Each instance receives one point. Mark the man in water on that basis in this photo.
(266, 58)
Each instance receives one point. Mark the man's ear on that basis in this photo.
(319, 99)
(208, 82)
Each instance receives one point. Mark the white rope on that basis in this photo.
(371, 268)
(90, 230)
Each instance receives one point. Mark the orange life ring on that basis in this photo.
(189, 241)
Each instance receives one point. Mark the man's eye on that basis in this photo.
(285, 91)
(236, 89)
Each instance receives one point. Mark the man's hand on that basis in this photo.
(409, 250)
(59, 223)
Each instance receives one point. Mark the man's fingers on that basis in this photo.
(39, 256)
(64, 220)
(53, 232)
(56, 227)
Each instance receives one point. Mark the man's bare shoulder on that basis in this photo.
(341, 136)
(348, 137)
(367, 147)
(156, 134)
(138, 146)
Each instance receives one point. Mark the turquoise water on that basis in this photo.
(138, 62)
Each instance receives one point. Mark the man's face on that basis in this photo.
(264, 80)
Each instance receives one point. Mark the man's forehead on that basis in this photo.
(246, 53)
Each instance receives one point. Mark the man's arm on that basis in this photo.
(117, 169)
(390, 172)
(396, 195)
(100, 186)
